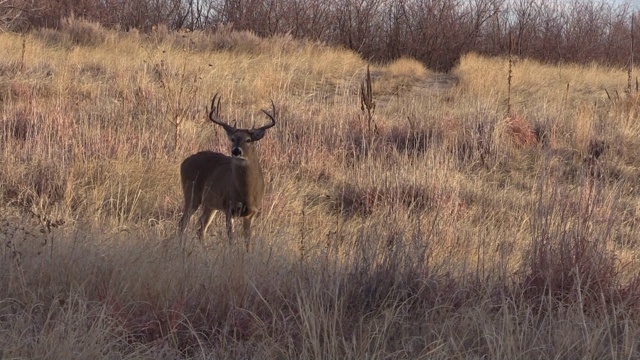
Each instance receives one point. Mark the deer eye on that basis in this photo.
(248, 140)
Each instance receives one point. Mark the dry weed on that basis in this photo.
(450, 233)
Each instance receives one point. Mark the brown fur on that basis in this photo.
(231, 184)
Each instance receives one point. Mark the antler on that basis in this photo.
(214, 114)
(271, 116)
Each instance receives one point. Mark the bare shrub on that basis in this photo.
(225, 38)
(73, 32)
(83, 32)
(350, 200)
(570, 258)
(21, 127)
(11, 14)
(580, 31)
(474, 142)
(410, 140)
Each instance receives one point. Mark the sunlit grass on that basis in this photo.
(452, 231)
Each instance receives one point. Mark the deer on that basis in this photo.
(232, 184)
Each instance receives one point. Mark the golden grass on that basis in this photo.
(455, 231)
(407, 67)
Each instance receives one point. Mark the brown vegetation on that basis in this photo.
(449, 233)
(436, 32)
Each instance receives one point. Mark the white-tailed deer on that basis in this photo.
(231, 184)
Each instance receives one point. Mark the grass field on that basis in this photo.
(446, 229)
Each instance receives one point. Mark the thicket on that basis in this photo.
(436, 32)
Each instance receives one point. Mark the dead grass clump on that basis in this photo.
(10, 69)
(42, 185)
(412, 196)
(627, 108)
(407, 67)
(71, 328)
(287, 44)
(358, 140)
(416, 138)
(225, 38)
(520, 131)
(83, 32)
(349, 200)
(410, 140)
(398, 77)
(93, 70)
(570, 270)
(51, 37)
(474, 142)
(388, 265)
(16, 89)
(75, 32)
(41, 70)
(570, 258)
(353, 200)
(21, 127)
(477, 74)
(584, 128)
(24, 90)
(49, 181)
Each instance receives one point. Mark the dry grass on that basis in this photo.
(453, 232)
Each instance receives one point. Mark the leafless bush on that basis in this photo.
(83, 32)
(11, 14)
(573, 263)
(436, 32)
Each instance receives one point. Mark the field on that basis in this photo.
(446, 227)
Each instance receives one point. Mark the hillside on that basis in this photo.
(445, 228)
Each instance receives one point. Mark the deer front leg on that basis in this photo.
(246, 227)
(229, 224)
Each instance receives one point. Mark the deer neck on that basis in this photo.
(248, 179)
(246, 167)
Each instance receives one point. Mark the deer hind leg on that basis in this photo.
(191, 204)
(205, 220)
(184, 220)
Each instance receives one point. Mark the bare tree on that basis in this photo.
(11, 13)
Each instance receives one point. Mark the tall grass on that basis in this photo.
(443, 235)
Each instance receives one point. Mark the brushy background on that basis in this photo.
(446, 228)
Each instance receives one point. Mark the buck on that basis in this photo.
(232, 184)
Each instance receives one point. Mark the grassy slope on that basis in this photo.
(453, 232)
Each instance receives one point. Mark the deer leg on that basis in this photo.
(184, 220)
(205, 220)
(229, 224)
(188, 211)
(246, 227)
(191, 204)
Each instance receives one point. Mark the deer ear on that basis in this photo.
(257, 134)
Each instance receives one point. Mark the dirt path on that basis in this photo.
(433, 83)
(437, 82)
